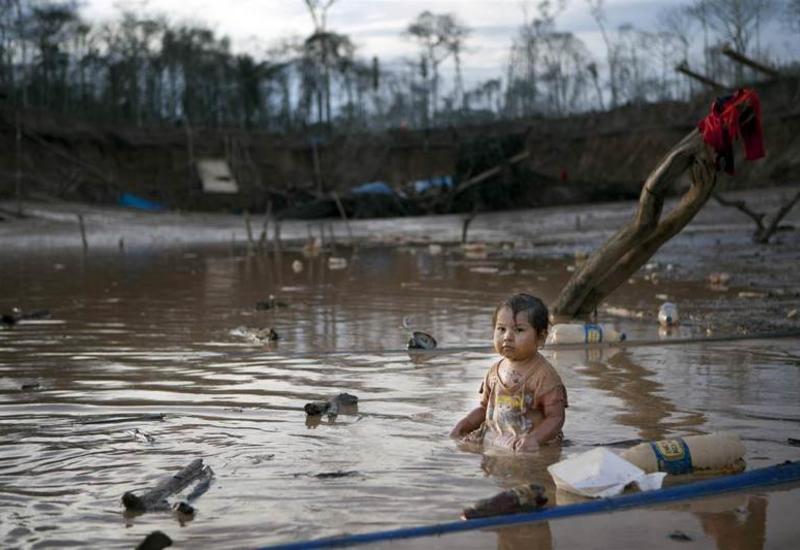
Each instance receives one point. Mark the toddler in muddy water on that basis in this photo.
(522, 397)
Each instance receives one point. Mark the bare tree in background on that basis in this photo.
(792, 11)
(678, 22)
(739, 22)
(439, 36)
(598, 12)
(527, 57)
(318, 48)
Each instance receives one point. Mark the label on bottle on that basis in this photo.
(593, 334)
(673, 456)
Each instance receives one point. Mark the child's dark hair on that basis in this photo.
(538, 316)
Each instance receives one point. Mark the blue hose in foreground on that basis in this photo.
(772, 475)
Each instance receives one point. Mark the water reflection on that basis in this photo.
(740, 525)
(642, 403)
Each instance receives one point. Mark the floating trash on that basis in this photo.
(270, 303)
(524, 498)
(585, 333)
(421, 340)
(331, 406)
(335, 263)
(297, 266)
(256, 335)
(719, 278)
(142, 437)
(668, 314)
(600, 473)
(712, 453)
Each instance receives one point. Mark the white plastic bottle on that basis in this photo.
(583, 333)
(668, 314)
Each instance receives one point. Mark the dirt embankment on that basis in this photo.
(594, 156)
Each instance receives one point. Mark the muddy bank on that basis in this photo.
(583, 158)
(760, 291)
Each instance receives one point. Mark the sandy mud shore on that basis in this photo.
(759, 290)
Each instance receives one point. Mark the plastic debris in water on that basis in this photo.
(335, 263)
(141, 436)
(297, 266)
(256, 335)
(585, 333)
(434, 249)
(523, 498)
(270, 303)
(668, 314)
(421, 340)
(331, 406)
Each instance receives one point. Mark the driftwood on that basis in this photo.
(121, 418)
(763, 231)
(631, 247)
(156, 499)
(486, 174)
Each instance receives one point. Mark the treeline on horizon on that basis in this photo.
(143, 70)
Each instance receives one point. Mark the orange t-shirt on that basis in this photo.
(519, 408)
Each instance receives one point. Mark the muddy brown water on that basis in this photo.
(165, 330)
(156, 332)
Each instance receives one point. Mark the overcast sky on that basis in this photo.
(376, 26)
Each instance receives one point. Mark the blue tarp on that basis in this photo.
(373, 188)
(132, 201)
(438, 182)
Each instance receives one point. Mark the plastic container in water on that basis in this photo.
(668, 314)
(721, 452)
(583, 333)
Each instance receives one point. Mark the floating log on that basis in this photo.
(156, 498)
(113, 419)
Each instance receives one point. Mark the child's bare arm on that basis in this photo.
(471, 422)
(554, 416)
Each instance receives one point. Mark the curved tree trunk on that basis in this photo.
(635, 243)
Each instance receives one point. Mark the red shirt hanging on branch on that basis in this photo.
(725, 123)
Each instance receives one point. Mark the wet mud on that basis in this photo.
(145, 363)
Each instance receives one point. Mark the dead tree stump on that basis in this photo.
(634, 244)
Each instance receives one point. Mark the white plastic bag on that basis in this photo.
(599, 473)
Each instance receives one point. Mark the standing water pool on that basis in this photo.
(175, 332)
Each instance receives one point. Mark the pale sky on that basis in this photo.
(376, 26)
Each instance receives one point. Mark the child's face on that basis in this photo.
(515, 338)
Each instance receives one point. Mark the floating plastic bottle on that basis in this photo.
(586, 333)
(523, 498)
(668, 314)
(712, 453)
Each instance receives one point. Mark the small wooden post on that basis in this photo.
(343, 214)
(83, 233)
(262, 239)
(18, 174)
(249, 229)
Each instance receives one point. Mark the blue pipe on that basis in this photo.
(772, 475)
